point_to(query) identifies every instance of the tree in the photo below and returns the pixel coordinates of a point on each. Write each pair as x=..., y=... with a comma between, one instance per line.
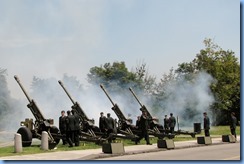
x=145, y=82
x=113, y=76
x=225, y=68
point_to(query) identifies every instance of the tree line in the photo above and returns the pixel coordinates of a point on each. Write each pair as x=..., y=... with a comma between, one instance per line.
x=221, y=65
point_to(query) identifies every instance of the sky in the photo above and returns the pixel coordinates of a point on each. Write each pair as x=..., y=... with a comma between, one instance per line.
x=47, y=38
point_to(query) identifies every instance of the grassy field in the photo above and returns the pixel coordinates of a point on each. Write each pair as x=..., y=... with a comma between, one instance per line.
x=217, y=131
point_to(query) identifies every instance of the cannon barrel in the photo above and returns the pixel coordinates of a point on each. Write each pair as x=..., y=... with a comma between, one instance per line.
x=107, y=94
x=143, y=107
x=60, y=82
x=133, y=93
x=41, y=124
x=23, y=89
x=76, y=106
x=115, y=107
x=32, y=104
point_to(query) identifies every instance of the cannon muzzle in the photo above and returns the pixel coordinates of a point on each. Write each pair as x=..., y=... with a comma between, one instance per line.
x=22, y=88
x=16, y=78
x=107, y=94
x=133, y=93
x=60, y=82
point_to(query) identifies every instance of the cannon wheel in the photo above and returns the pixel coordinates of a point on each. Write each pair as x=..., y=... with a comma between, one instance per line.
x=26, y=136
x=54, y=130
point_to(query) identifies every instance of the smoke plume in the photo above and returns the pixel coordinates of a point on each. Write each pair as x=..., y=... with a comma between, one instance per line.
x=187, y=100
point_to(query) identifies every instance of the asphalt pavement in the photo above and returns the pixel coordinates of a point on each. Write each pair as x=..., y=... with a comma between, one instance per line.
x=92, y=154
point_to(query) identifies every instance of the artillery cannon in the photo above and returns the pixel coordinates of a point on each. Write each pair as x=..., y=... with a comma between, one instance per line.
x=88, y=131
x=30, y=129
x=156, y=126
x=125, y=126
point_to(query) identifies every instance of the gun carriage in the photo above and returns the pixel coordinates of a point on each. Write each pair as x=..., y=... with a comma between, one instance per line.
x=125, y=126
x=155, y=128
x=88, y=130
x=158, y=128
x=33, y=129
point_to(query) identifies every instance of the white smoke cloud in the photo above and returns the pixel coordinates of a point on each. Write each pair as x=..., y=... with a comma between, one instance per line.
x=46, y=38
x=183, y=96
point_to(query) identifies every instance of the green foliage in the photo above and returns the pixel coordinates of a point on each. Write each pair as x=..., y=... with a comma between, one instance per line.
x=225, y=69
x=117, y=77
x=145, y=81
x=113, y=76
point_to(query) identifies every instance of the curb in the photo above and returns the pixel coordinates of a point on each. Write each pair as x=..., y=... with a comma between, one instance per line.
x=99, y=156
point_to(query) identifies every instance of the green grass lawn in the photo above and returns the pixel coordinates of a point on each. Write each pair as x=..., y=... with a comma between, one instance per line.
x=215, y=131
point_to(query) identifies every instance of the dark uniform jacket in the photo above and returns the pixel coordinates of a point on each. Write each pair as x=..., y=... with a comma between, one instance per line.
x=166, y=123
x=102, y=122
x=144, y=123
x=110, y=123
x=172, y=122
x=62, y=123
x=77, y=122
x=138, y=123
x=233, y=122
x=206, y=123
x=70, y=123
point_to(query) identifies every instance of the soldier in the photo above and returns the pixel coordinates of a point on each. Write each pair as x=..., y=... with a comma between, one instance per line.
x=144, y=126
x=70, y=125
x=109, y=126
x=233, y=122
x=166, y=122
x=77, y=128
x=206, y=124
x=138, y=122
x=172, y=123
x=62, y=126
x=102, y=122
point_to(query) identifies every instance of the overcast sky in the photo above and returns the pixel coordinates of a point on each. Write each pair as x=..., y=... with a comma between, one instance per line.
x=48, y=38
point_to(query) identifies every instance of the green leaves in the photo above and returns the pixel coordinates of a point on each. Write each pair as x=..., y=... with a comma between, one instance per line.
x=225, y=68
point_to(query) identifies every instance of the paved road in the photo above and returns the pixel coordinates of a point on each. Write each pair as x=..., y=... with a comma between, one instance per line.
x=183, y=150
x=230, y=151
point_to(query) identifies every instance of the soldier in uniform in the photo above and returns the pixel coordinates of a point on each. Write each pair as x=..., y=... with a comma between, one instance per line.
x=233, y=122
x=138, y=122
x=206, y=124
x=62, y=126
x=77, y=128
x=172, y=123
x=102, y=122
x=166, y=122
x=109, y=126
x=144, y=126
x=70, y=125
